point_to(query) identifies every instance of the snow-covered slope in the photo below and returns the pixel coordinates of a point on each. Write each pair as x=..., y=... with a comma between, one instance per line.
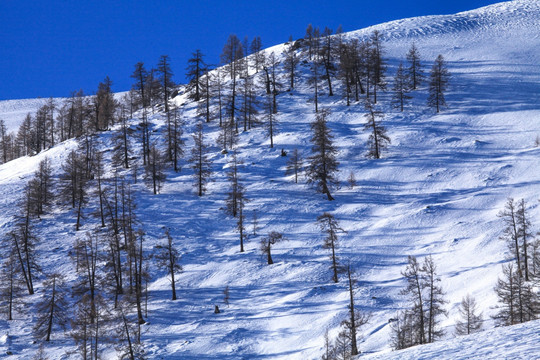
x=515, y=342
x=437, y=191
x=13, y=112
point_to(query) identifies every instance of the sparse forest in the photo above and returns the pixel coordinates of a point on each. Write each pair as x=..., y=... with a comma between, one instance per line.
x=170, y=193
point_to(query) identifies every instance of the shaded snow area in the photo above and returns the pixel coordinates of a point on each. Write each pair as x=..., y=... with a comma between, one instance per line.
x=437, y=190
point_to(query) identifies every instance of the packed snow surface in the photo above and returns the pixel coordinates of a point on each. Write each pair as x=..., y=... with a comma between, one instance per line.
x=436, y=191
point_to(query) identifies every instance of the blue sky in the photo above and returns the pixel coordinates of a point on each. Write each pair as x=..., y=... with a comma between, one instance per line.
x=50, y=48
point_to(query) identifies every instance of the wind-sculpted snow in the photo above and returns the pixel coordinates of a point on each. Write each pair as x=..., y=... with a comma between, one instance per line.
x=498, y=18
x=437, y=190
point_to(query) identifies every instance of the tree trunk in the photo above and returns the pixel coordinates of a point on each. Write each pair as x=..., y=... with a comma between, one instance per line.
x=128, y=338
x=171, y=269
x=269, y=256
x=334, y=262
x=51, y=313
x=354, y=347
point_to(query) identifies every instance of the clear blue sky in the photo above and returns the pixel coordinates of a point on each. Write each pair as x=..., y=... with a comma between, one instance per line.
x=50, y=48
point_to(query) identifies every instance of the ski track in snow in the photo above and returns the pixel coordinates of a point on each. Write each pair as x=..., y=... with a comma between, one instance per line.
x=437, y=191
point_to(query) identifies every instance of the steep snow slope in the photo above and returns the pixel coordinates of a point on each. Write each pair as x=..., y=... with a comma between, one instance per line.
x=437, y=191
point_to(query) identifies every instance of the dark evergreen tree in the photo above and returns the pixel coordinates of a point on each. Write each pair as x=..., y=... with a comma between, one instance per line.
x=74, y=183
x=342, y=346
x=294, y=165
x=271, y=68
x=153, y=91
x=232, y=57
x=168, y=258
x=204, y=108
x=40, y=188
x=137, y=271
x=469, y=322
x=87, y=254
x=175, y=141
x=51, y=107
x=308, y=41
x=155, y=175
x=313, y=80
x=200, y=162
x=195, y=70
x=377, y=64
x=291, y=62
x=378, y=140
x=361, y=67
x=257, y=56
x=23, y=242
x=104, y=105
x=413, y=320
x=3, y=141
x=329, y=350
x=327, y=57
x=323, y=163
x=403, y=330
x=216, y=91
x=401, y=89
x=348, y=60
x=435, y=300
x=249, y=102
x=525, y=234
x=23, y=136
x=167, y=84
x=438, y=83
x=236, y=189
x=228, y=137
x=414, y=71
x=100, y=189
x=128, y=339
x=140, y=75
x=11, y=286
x=420, y=323
x=518, y=301
x=330, y=226
x=271, y=120
x=52, y=309
x=122, y=149
x=511, y=233
x=91, y=327
x=356, y=318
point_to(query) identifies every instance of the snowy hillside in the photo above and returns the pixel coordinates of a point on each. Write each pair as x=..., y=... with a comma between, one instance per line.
x=515, y=342
x=437, y=190
x=13, y=112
